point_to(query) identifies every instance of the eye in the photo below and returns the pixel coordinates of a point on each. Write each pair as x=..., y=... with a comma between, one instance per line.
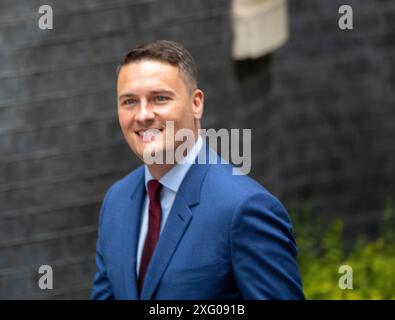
x=130, y=102
x=161, y=98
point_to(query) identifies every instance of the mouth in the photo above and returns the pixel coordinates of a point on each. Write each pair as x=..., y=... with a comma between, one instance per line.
x=148, y=135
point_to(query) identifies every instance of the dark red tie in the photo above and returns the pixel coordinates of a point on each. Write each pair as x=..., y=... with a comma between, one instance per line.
x=154, y=219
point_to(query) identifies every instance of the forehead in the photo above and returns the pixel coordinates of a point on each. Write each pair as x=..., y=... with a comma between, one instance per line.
x=148, y=74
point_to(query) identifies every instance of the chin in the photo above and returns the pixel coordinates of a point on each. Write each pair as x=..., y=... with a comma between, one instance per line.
x=159, y=149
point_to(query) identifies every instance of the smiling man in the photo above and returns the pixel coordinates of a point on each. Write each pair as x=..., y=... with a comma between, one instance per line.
x=151, y=93
x=182, y=229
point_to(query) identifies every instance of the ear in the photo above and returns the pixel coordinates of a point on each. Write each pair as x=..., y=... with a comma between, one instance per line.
x=198, y=103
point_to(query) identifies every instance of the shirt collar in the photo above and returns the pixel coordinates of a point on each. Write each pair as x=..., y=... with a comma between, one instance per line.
x=174, y=177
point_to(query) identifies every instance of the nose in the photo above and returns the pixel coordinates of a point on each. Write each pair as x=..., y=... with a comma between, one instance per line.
x=144, y=113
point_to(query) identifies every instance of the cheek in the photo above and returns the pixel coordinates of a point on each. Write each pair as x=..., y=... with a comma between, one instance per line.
x=186, y=119
x=124, y=118
x=180, y=113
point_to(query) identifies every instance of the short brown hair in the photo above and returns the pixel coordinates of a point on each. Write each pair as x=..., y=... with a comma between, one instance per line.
x=168, y=51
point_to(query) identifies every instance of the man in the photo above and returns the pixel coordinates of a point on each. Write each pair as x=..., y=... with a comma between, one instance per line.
x=181, y=229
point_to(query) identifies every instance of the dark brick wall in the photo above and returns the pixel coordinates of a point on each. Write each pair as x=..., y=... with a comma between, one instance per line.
x=323, y=112
x=321, y=109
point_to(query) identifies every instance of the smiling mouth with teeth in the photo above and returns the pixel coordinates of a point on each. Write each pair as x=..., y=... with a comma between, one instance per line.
x=149, y=134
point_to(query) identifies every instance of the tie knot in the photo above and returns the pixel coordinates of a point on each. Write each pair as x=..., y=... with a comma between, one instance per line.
x=154, y=188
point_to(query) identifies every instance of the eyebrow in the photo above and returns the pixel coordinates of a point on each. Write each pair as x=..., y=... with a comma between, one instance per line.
x=169, y=92
x=160, y=91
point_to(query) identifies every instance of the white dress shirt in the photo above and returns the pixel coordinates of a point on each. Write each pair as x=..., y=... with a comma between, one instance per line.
x=171, y=182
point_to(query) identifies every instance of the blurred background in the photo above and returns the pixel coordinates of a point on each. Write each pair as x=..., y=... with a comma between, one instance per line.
x=320, y=102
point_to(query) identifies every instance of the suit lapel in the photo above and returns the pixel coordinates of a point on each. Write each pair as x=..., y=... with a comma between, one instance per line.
x=179, y=218
x=131, y=234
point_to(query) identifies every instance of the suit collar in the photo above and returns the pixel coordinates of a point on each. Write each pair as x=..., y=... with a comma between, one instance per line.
x=190, y=188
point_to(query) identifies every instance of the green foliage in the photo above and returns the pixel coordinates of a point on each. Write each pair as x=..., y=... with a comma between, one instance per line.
x=321, y=254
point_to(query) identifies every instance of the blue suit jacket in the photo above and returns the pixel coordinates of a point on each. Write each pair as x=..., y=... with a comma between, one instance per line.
x=226, y=237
